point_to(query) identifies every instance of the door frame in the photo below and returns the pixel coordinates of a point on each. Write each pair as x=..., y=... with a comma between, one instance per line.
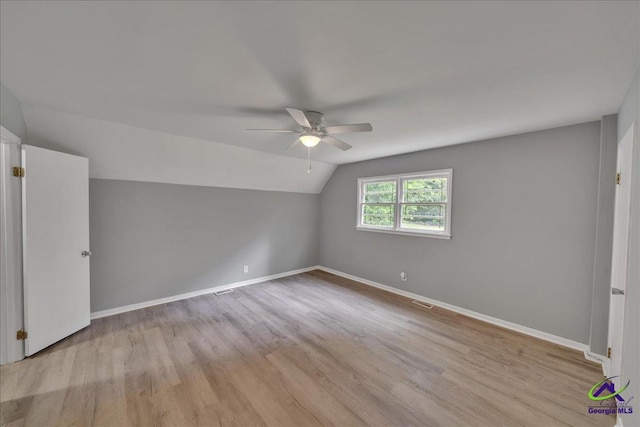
x=11, y=301
x=620, y=249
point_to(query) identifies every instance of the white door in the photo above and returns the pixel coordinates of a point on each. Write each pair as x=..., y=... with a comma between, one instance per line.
x=55, y=212
x=620, y=258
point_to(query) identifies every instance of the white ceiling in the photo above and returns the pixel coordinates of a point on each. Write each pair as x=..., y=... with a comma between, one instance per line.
x=425, y=74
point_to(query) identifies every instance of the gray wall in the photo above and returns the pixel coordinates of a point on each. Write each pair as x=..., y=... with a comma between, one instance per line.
x=630, y=113
x=604, y=235
x=11, y=114
x=154, y=240
x=524, y=220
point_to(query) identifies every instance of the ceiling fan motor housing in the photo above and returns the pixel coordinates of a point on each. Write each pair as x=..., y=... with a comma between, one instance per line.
x=315, y=118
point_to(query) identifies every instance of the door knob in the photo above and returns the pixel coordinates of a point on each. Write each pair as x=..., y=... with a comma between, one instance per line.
x=86, y=253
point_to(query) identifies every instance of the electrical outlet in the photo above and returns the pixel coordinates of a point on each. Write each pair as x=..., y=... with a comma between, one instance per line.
x=403, y=276
x=245, y=269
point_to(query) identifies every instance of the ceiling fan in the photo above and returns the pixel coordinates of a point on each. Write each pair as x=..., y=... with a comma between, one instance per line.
x=313, y=130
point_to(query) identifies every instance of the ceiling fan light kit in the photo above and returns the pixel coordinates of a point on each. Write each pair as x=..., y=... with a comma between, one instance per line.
x=309, y=139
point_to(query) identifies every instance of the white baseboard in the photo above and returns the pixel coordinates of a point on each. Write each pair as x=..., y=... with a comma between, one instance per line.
x=495, y=321
x=137, y=306
x=600, y=359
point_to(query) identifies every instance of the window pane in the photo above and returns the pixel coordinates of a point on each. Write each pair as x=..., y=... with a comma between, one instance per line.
x=387, y=210
x=425, y=196
x=436, y=211
x=377, y=187
x=378, y=220
x=423, y=184
x=380, y=197
x=380, y=192
x=423, y=217
x=379, y=215
x=425, y=190
x=423, y=223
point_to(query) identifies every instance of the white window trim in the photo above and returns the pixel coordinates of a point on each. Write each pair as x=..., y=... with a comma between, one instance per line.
x=446, y=234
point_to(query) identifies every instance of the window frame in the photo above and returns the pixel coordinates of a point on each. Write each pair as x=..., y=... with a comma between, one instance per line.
x=399, y=202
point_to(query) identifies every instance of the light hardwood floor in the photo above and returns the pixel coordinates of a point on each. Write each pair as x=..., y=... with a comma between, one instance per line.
x=312, y=349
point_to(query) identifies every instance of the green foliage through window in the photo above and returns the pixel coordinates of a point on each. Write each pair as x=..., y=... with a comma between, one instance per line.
x=380, y=192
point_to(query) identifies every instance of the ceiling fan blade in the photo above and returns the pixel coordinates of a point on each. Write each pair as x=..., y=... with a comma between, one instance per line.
x=336, y=142
x=294, y=144
x=359, y=127
x=299, y=117
x=275, y=130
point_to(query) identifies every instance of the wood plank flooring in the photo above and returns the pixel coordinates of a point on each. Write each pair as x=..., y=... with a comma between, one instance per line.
x=312, y=349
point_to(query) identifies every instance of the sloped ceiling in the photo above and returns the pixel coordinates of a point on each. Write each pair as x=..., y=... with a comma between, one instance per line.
x=117, y=151
x=425, y=74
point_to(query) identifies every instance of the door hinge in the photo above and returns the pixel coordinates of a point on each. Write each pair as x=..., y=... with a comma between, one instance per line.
x=18, y=172
x=618, y=178
x=609, y=352
x=21, y=334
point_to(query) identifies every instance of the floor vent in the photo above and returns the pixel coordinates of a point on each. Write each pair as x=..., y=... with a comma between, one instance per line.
x=226, y=291
x=423, y=304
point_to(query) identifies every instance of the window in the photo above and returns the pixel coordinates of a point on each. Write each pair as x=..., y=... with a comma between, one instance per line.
x=416, y=203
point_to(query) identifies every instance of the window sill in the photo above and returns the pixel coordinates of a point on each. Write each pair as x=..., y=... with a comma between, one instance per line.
x=406, y=233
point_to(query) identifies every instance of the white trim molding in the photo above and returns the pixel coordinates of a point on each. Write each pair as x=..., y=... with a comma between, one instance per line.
x=406, y=233
x=144, y=304
x=11, y=307
x=7, y=137
x=399, y=180
x=485, y=318
x=599, y=359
